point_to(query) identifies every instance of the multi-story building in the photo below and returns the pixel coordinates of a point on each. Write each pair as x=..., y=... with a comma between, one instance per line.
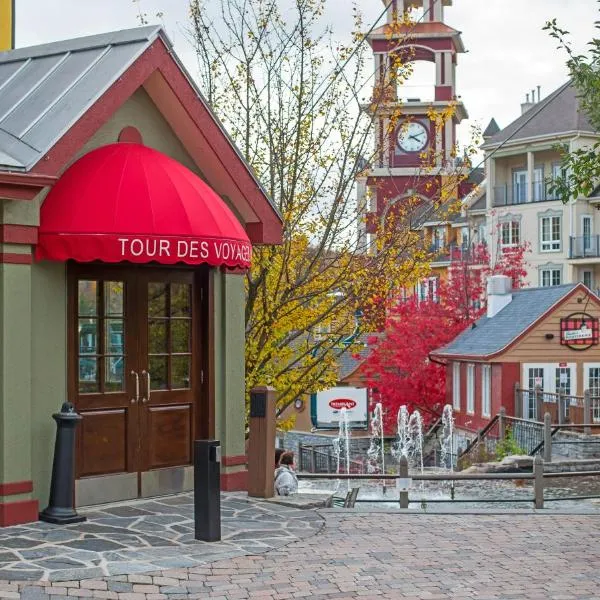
x=522, y=160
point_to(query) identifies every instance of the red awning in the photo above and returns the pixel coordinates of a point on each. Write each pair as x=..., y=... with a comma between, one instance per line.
x=128, y=202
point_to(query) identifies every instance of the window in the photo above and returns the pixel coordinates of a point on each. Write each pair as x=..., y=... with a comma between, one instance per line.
x=471, y=389
x=550, y=276
x=588, y=279
x=538, y=184
x=535, y=379
x=520, y=187
x=586, y=228
x=486, y=391
x=510, y=233
x=593, y=385
x=481, y=233
x=456, y=386
x=550, y=234
x=464, y=237
x=440, y=238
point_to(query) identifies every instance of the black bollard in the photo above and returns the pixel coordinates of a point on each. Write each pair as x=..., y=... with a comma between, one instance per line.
x=207, y=490
x=60, y=509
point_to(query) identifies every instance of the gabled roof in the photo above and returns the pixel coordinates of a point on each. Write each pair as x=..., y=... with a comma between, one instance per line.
x=480, y=204
x=55, y=97
x=45, y=89
x=490, y=336
x=557, y=114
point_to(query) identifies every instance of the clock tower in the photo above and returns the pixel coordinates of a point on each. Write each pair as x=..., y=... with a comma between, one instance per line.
x=415, y=138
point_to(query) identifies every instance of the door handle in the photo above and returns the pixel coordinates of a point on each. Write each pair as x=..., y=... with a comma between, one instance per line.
x=137, y=387
x=147, y=374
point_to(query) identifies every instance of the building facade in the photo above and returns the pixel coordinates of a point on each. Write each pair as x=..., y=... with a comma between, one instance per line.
x=127, y=219
x=522, y=160
x=545, y=337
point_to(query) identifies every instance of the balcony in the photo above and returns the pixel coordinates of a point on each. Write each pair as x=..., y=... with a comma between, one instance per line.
x=509, y=195
x=455, y=253
x=584, y=246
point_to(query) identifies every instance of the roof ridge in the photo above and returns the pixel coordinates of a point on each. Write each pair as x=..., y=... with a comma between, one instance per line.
x=87, y=42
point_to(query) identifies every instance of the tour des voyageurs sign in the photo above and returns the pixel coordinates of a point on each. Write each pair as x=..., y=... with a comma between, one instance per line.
x=326, y=407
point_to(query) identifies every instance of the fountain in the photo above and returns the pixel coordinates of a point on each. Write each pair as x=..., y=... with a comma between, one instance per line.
x=447, y=439
x=376, y=450
x=341, y=446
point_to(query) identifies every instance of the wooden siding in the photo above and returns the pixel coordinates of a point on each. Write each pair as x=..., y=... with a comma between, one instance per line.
x=535, y=348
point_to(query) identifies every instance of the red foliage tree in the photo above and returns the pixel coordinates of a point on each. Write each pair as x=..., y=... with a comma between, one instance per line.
x=398, y=367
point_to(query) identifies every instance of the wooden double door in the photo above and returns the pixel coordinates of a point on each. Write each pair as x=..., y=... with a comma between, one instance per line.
x=135, y=377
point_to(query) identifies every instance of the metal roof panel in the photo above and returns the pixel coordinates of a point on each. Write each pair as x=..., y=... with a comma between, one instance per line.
x=45, y=89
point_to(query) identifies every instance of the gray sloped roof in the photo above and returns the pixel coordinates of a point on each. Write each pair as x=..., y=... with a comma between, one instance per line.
x=45, y=89
x=480, y=204
x=490, y=336
x=556, y=114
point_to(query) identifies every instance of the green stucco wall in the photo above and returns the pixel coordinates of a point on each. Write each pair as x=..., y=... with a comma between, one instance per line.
x=229, y=336
x=15, y=373
x=48, y=367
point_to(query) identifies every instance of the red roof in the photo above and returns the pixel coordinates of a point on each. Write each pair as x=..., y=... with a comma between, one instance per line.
x=416, y=29
x=129, y=202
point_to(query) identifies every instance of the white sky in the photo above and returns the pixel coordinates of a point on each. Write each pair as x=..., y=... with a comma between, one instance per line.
x=508, y=53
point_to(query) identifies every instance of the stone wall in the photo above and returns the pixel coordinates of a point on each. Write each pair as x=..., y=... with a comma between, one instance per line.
x=571, y=444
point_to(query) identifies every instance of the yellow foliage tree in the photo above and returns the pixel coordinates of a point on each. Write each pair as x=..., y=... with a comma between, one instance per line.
x=300, y=106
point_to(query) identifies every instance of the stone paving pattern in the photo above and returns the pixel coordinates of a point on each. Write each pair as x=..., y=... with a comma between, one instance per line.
x=381, y=556
x=146, y=536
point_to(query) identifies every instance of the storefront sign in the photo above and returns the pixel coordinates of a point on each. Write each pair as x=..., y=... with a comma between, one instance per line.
x=151, y=248
x=579, y=331
x=327, y=407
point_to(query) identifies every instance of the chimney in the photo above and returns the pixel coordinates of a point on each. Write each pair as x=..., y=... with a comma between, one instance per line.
x=499, y=294
x=525, y=106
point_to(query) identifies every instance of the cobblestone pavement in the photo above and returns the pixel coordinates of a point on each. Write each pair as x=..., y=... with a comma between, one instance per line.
x=384, y=556
x=144, y=536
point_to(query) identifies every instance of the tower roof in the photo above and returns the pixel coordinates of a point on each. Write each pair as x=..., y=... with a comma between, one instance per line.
x=491, y=129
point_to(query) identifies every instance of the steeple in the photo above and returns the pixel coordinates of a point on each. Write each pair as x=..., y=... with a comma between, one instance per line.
x=433, y=9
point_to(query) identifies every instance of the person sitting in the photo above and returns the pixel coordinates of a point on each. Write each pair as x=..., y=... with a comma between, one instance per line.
x=278, y=453
x=286, y=481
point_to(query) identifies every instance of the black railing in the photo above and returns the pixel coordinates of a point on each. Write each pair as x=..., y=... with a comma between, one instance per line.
x=323, y=459
x=518, y=193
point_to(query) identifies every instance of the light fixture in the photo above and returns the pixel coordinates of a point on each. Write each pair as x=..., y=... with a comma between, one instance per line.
x=549, y=336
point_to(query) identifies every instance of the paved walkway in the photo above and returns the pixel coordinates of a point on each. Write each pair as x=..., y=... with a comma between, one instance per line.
x=144, y=536
x=384, y=556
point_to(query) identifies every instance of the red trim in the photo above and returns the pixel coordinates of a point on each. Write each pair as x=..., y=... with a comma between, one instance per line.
x=18, y=234
x=130, y=135
x=467, y=357
x=213, y=151
x=16, y=487
x=17, y=513
x=234, y=461
x=23, y=186
x=234, y=482
x=12, y=258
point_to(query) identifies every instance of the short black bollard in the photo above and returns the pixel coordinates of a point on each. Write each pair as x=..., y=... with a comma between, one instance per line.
x=60, y=509
x=207, y=490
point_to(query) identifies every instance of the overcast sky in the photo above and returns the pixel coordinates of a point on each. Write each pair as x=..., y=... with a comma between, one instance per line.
x=508, y=53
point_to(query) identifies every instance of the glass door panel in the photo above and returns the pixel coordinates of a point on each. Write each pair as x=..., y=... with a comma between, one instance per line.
x=102, y=362
x=166, y=350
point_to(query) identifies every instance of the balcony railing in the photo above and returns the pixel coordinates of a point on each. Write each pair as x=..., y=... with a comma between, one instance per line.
x=454, y=252
x=584, y=246
x=509, y=195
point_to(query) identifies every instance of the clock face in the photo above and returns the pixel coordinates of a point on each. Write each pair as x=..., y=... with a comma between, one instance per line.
x=413, y=137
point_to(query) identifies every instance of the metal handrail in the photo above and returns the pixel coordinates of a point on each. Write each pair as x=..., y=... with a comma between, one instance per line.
x=475, y=441
x=419, y=477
